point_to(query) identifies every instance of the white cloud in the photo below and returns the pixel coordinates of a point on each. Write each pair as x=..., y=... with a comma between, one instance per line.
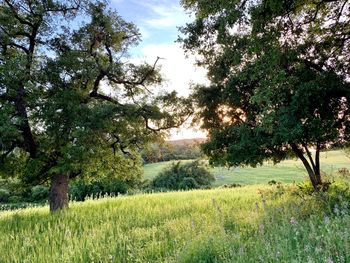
x=145, y=34
x=167, y=16
x=179, y=72
x=163, y=14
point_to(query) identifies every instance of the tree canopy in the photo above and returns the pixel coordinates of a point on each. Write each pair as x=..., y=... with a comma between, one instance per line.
x=279, y=78
x=68, y=91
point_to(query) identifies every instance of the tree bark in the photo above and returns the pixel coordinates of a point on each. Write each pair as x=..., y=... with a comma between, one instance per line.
x=317, y=161
x=312, y=170
x=58, y=197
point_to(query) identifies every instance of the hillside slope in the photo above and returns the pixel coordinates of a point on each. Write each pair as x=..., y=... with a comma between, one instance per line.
x=249, y=224
x=288, y=171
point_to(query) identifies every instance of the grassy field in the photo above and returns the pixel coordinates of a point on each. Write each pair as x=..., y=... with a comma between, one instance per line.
x=254, y=223
x=248, y=224
x=285, y=172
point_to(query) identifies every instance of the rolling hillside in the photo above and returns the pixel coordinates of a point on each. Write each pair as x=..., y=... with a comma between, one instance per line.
x=286, y=172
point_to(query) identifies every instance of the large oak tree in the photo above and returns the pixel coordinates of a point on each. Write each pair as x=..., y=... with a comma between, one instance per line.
x=68, y=92
x=279, y=78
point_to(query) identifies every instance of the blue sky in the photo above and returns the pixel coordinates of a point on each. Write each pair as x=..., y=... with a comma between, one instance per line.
x=158, y=22
x=157, y=19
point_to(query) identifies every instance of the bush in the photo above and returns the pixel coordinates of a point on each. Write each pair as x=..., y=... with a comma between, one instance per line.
x=15, y=199
x=81, y=189
x=183, y=177
x=39, y=193
x=4, y=195
x=233, y=185
x=343, y=172
x=160, y=152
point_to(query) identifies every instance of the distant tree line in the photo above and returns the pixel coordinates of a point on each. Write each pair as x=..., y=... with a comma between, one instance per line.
x=161, y=152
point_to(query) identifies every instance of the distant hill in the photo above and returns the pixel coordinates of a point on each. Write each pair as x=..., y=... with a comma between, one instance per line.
x=186, y=141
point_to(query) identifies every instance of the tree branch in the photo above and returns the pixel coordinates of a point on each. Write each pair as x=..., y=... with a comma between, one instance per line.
x=16, y=15
x=309, y=156
x=301, y=156
x=141, y=81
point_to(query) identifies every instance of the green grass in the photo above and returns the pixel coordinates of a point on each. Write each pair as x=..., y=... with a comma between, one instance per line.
x=286, y=172
x=248, y=224
x=255, y=223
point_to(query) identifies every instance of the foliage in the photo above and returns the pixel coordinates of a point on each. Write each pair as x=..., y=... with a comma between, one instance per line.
x=179, y=176
x=4, y=195
x=15, y=199
x=279, y=76
x=162, y=152
x=107, y=174
x=233, y=185
x=81, y=189
x=39, y=193
x=226, y=225
x=18, y=206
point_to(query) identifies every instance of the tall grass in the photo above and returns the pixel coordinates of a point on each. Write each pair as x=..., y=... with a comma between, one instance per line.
x=249, y=224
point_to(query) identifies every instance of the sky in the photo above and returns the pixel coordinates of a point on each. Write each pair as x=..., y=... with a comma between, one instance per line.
x=158, y=22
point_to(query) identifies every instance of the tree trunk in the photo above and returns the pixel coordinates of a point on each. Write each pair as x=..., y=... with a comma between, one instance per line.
x=58, y=197
x=317, y=168
x=313, y=170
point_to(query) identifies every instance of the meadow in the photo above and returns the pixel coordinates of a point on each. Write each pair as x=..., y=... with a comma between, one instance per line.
x=249, y=224
x=253, y=223
x=288, y=171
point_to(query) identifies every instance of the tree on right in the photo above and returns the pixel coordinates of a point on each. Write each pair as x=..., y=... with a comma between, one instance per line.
x=279, y=79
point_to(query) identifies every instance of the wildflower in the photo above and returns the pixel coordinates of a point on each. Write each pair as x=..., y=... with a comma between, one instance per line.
x=261, y=229
x=336, y=210
x=329, y=260
x=193, y=224
x=326, y=220
x=293, y=221
x=318, y=250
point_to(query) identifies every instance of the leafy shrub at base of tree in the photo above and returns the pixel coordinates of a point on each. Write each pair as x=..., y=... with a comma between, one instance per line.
x=39, y=193
x=4, y=195
x=183, y=177
x=81, y=189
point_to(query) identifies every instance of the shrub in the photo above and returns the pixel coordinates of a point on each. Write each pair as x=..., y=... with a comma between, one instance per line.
x=233, y=185
x=14, y=199
x=183, y=177
x=39, y=193
x=272, y=182
x=4, y=195
x=343, y=171
x=80, y=189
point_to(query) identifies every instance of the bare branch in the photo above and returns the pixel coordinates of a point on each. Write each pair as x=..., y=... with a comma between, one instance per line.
x=139, y=82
